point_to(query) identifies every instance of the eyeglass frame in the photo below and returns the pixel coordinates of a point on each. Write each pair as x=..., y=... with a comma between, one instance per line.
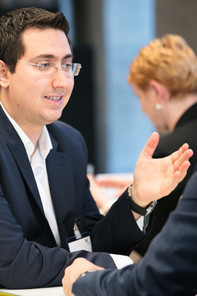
x=62, y=66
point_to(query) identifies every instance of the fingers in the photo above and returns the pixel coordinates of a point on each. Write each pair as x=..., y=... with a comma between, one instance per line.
x=177, y=176
x=180, y=156
x=151, y=145
x=183, y=170
x=177, y=154
x=182, y=164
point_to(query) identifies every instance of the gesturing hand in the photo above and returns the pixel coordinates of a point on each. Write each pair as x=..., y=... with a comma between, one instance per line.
x=155, y=178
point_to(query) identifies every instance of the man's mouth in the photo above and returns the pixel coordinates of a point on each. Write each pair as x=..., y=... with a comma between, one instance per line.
x=53, y=98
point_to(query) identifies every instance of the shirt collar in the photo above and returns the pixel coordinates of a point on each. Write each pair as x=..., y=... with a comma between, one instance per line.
x=44, y=142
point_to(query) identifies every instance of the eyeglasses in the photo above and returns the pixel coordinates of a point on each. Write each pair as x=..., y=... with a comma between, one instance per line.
x=47, y=68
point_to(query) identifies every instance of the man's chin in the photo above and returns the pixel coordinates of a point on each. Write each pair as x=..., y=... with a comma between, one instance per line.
x=51, y=119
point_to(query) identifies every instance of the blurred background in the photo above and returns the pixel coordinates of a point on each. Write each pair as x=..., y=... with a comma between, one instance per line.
x=106, y=36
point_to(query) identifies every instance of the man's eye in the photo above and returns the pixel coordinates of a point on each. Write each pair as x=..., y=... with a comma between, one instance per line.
x=67, y=66
x=44, y=65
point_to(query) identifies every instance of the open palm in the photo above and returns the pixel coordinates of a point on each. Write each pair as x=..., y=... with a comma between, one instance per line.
x=155, y=178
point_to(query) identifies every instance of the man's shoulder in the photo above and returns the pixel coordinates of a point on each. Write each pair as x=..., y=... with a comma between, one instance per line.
x=60, y=127
x=65, y=135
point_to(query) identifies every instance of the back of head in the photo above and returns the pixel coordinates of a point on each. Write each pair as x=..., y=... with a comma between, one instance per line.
x=15, y=22
x=168, y=60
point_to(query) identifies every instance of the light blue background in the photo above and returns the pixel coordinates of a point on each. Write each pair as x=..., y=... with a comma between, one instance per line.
x=128, y=24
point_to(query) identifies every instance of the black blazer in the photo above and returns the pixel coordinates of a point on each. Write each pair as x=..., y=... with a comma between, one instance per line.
x=29, y=256
x=185, y=131
x=169, y=267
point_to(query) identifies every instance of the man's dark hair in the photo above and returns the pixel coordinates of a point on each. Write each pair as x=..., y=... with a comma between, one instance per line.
x=15, y=22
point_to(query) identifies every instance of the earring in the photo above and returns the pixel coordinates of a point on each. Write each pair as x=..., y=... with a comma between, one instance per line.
x=158, y=106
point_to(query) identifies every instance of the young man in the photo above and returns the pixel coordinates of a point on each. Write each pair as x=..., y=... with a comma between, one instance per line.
x=47, y=214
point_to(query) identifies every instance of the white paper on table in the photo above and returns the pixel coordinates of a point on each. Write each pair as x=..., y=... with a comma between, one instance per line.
x=53, y=291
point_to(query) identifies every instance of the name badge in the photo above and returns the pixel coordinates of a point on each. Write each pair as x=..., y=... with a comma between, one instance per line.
x=81, y=244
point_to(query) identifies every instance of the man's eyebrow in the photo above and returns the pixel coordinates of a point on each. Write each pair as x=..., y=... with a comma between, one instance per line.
x=50, y=56
x=68, y=56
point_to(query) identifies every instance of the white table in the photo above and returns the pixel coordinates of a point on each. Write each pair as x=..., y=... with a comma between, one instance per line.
x=54, y=291
x=111, y=192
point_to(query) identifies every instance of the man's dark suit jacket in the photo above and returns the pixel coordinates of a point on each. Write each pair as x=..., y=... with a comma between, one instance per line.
x=29, y=256
x=185, y=131
x=169, y=267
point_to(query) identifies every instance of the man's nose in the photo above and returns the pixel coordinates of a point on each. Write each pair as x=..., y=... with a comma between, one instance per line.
x=60, y=79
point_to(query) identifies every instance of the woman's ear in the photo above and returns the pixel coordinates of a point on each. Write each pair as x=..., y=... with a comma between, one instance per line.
x=161, y=91
x=4, y=80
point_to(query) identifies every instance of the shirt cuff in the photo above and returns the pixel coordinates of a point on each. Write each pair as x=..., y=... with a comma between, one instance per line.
x=121, y=260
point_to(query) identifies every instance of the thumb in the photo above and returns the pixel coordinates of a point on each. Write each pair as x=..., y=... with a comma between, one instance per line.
x=151, y=145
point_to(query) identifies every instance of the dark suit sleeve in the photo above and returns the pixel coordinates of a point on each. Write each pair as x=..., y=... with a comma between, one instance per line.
x=27, y=264
x=169, y=266
x=119, y=229
x=169, y=143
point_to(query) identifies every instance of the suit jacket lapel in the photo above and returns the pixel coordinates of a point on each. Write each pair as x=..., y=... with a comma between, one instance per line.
x=21, y=158
x=18, y=151
x=62, y=189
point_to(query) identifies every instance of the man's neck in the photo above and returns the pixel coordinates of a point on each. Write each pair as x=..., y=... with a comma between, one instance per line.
x=32, y=132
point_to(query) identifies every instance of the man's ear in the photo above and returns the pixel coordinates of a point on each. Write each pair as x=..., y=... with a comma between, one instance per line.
x=4, y=80
x=161, y=91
